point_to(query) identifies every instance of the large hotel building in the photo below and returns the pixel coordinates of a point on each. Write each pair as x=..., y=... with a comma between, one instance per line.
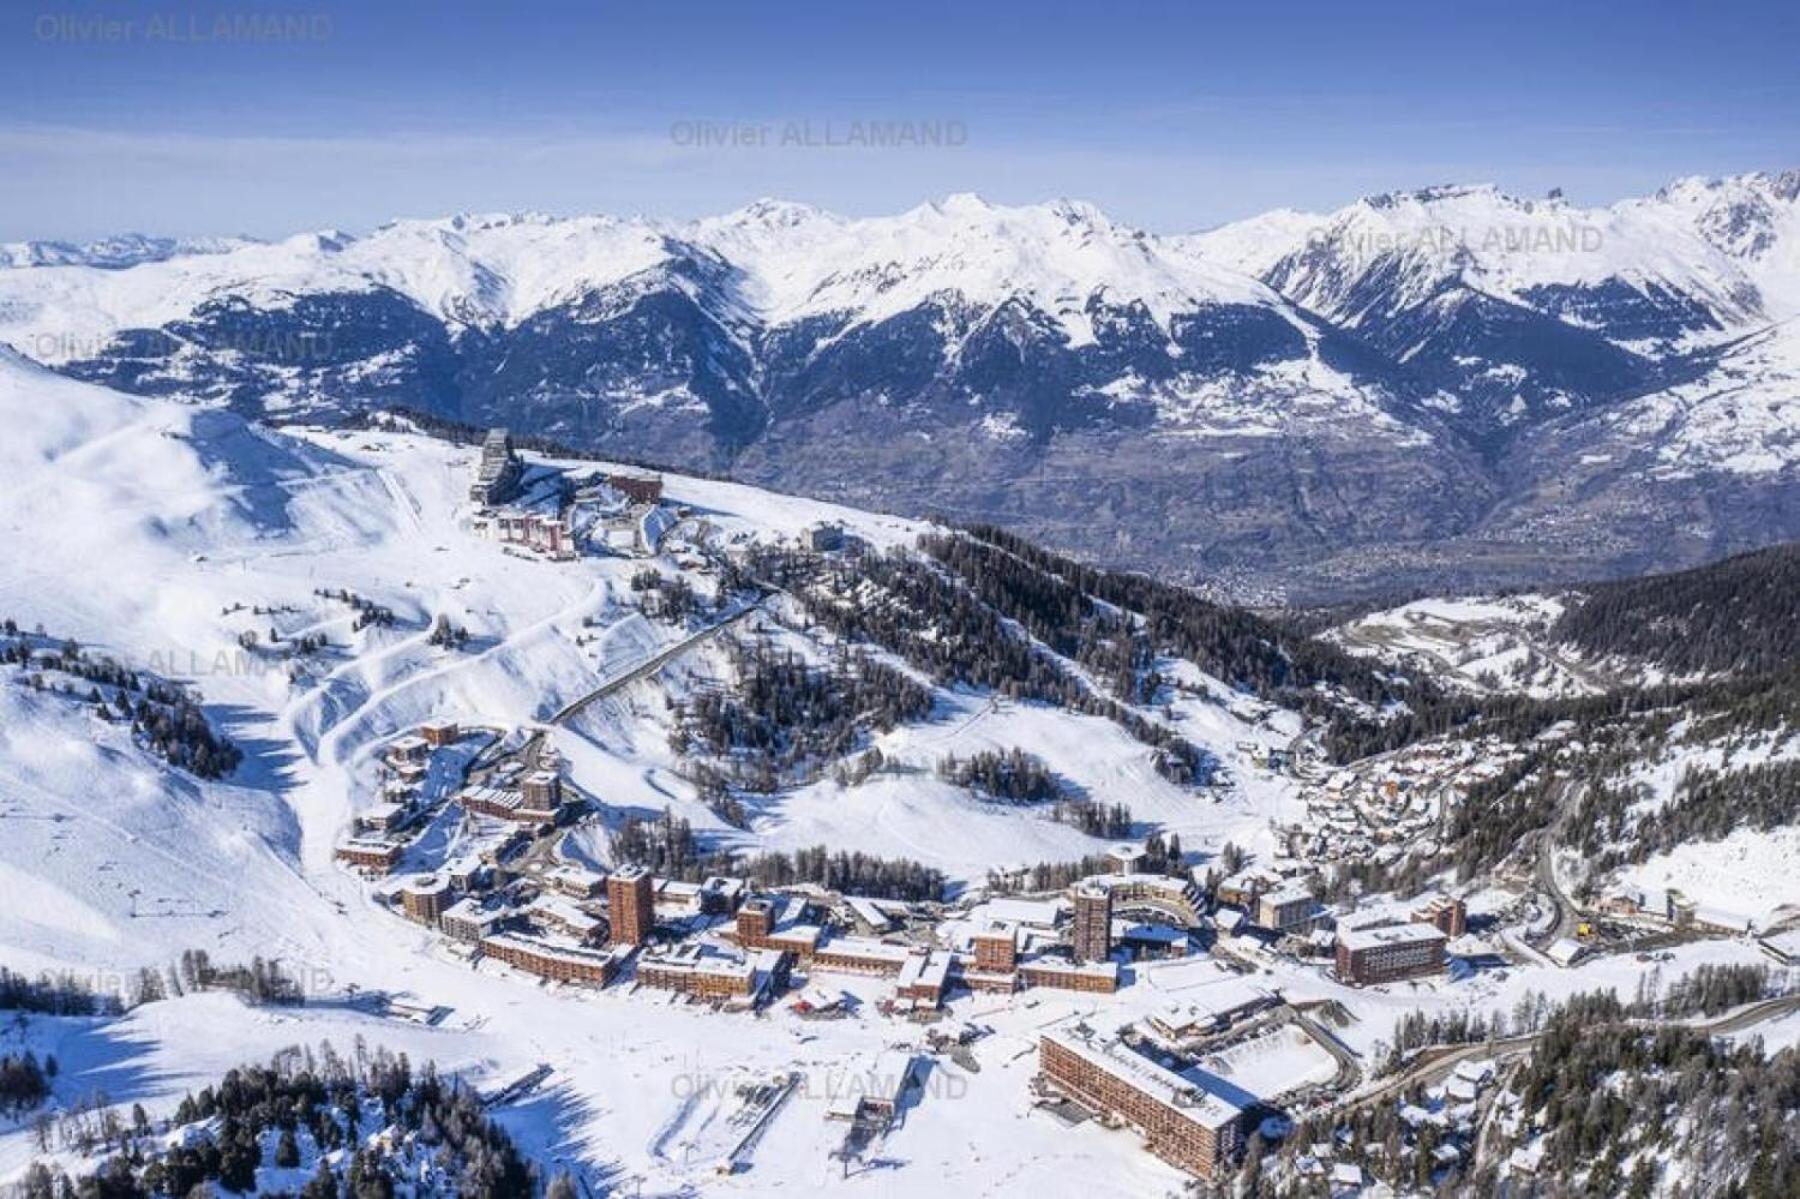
x=1181, y=1122
x=1390, y=952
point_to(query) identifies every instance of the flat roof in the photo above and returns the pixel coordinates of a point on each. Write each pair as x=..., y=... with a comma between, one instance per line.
x=470, y=907
x=926, y=969
x=551, y=949
x=1410, y=933
x=1059, y=966
x=1177, y=1092
x=1044, y=912
x=1212, y=1001
x=866, y=947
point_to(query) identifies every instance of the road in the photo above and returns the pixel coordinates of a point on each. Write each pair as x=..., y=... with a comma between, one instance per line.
x=529, y=749
x=544, y=853
x=1436, y=1064
x=651, y=665
x=1568, y=916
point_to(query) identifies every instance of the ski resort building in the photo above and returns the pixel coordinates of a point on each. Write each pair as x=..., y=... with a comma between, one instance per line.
x=426, y=897
x=1098, y=977
x=640, y=488
x=923, y=978
x=996, y=948
x=631, y=904
x=1446, y=913
x=875, y=1097
x=537, y=801
x=1209, y=1009
x=1288, y=909
x=1182, y=1123
x=860, y=955
x=370, y=853
x=692, y=969
x=440, y=733
x=1388, y=953
x=1177, y=899
x=764, y=923
x=546, y=959
x=575, y=882
x=551, y=536
x=382, y=818
x=468, y=920
x=1091, y=937
x=498, y=472
x=562, y=915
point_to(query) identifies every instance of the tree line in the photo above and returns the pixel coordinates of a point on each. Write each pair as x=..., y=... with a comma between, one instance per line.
x=163, y=716
x=922, y=612
x=321, y=1107
x=784, y=717
x=667, y=847
x=1013, y=776
x=1741, y=614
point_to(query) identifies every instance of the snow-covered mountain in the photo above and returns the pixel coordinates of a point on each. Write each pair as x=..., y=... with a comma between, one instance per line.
x=1517, y=310
x=129, y=249
x=1257, y=400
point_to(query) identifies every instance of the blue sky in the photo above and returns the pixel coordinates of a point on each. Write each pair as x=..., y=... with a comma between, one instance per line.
x=1170, y=115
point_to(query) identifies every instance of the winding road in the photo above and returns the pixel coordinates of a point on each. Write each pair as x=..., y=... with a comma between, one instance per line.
x=1437, y=1063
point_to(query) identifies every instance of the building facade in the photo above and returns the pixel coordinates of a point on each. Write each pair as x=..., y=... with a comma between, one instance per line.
x=631, y=901
x=498, y=472
x=1389, y=953
x=560, y=963
x=1446, y=913
x=1182, y=1123
x=1091, y=936
x=425, y=898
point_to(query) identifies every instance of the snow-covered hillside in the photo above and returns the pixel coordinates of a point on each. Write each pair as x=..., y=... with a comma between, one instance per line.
x=161, y=534
x=250, y=563
x=1487, y=645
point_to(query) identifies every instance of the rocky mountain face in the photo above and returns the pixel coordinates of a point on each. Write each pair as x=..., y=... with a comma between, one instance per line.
x=1445, y=387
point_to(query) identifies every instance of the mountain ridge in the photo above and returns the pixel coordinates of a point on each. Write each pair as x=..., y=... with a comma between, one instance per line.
x=1419, y=378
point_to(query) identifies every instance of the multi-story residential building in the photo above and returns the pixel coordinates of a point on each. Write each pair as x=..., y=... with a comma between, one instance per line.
x=424, y=898
x=1091, y=935
x=996, y=948
x=631, y=902
x=1387, y=953
x=370, y=853
x=1099, y=977
x=561, y=963
x=468, y=920
x=1446, y=913
x=1183, y=1123
x=1288, y=909
x=498, y=472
